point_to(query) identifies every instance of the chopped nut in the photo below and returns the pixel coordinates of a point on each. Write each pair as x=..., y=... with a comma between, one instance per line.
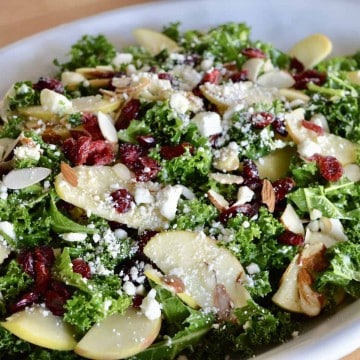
x=268, y=195
x=218, y=200
x=69, y=174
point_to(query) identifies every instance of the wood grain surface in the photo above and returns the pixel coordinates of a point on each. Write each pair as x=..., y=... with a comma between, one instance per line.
x=21, y=18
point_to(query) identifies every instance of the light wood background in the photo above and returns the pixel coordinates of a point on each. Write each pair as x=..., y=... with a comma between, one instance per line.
x=21, y=18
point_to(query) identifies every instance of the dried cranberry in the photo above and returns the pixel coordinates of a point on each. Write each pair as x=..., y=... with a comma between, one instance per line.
x=146, y=141
x=101, y=153
x=91, y=125
x=26, y=260
x=261, y=119
x=165, y=76
x=302, y=79
x=130, y=153
x=169, y=152
x=42, y=277
x=296, y=65
x=250, y=170
x=49, y=83
x=144, y=238
x=213, y=76
x=253, y=53
x=290, y=238
x=45, y=254
x=248, y=210
x=122, y=200
x=137, y=301
x=55, y=302
x=130, y=111
x=279, y=126
x=81, y=267
x=146, y=169
x=239, y=76
x=282, y=187
x=330, y=168
x=25, y=300
x=313, y=127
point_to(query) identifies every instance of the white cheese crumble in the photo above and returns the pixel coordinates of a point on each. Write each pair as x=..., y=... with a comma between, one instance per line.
x=73, y=236
x=122, y=58
x=150, y=307
x=208, y=123
x=253, y=268
x=29, y=150
x=167, y=200
x=179, y=102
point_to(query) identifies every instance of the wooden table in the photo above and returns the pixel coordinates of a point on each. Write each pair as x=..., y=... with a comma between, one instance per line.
x=21, y=18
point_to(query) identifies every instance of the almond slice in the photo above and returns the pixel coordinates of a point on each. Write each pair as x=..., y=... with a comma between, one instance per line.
x=21, y=178
x=227, y=178
x=217, y=200
x=311, y=50
x=107, y=127
x=268, y=195
x=69, y=174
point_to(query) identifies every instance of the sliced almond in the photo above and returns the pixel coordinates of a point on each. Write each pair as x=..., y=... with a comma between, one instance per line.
x=69, y=174
x=253, y=68
x=276, y=79
x=154, y=41
x=268, y=195
x=107, y=127
x=131, y=86
x=227, y=178
x=217, y=200
x=311, y=50
x=21, y=178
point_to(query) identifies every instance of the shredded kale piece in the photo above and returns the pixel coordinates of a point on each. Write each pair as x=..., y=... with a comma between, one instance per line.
x=12, y=128
x=24, y=95
x=89, y=51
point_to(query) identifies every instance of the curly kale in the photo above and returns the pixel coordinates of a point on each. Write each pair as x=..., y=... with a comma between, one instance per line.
x=23, y=95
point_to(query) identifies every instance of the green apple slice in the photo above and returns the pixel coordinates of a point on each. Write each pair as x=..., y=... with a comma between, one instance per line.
x=92, y=193
x=154, y=41
x=200, y=264
x=119, y=336
x=39, y=326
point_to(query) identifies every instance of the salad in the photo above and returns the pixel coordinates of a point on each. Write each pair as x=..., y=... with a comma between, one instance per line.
x=192, y=196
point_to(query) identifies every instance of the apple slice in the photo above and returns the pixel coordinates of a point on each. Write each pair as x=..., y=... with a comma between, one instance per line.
x=39, y=326
x=311, y=50
x=92, y=193
x=291, y=220
x=309, y=142
x=200, y=264
x=275, y=165
x=119, y=336
x=154, y=41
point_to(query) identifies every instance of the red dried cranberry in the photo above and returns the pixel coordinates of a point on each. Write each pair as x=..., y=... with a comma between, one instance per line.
x=49, y=83
x=313, y=127
x=250, y=174
x=26, y=260
x=302, y=79
x=130, y=153
x=283, y=187
x=253, y=53
x=296, y=65
x=279, y=126
x=213, y=76
x=261, y=119
x=42, y=277
x=137, y=301
x=146, y=141
x=130, y=111
x=165, y=76
x=239, y=76
x=45, y=254
x=330, y=168
x=101, y=153
x=122, y=200
x=290, y=238
x=248, y=210
x=55, y=302
x=169, y=152
x=91, y=125
x=81, y=267
x=144, y=238
x=25, y=300
x=146, y=169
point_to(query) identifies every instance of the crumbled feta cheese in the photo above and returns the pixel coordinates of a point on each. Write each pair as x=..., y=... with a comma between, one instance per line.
x=179, y=102
x=253, y=268
x=55, y=102
x=29, y=150
x=208, y=123
x=129, y=288
x=73, y=237
x=167, y=200
x=8, y=229
x=142, y=195
x=150, y=307
x=122, y=58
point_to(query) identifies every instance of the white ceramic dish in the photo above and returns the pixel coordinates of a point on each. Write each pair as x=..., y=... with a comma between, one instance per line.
x=281, y=22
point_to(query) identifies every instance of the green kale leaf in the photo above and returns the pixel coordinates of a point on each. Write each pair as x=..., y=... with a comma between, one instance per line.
x=23, y=95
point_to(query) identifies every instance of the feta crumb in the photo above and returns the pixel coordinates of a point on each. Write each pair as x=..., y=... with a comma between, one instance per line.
x=122, y=58
x=253, y=268
x=150, y=307
x=143, y=196
x=179, y=102
x=129, y=288
x=73, y=237
x=208, y=123
x=167, y=200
